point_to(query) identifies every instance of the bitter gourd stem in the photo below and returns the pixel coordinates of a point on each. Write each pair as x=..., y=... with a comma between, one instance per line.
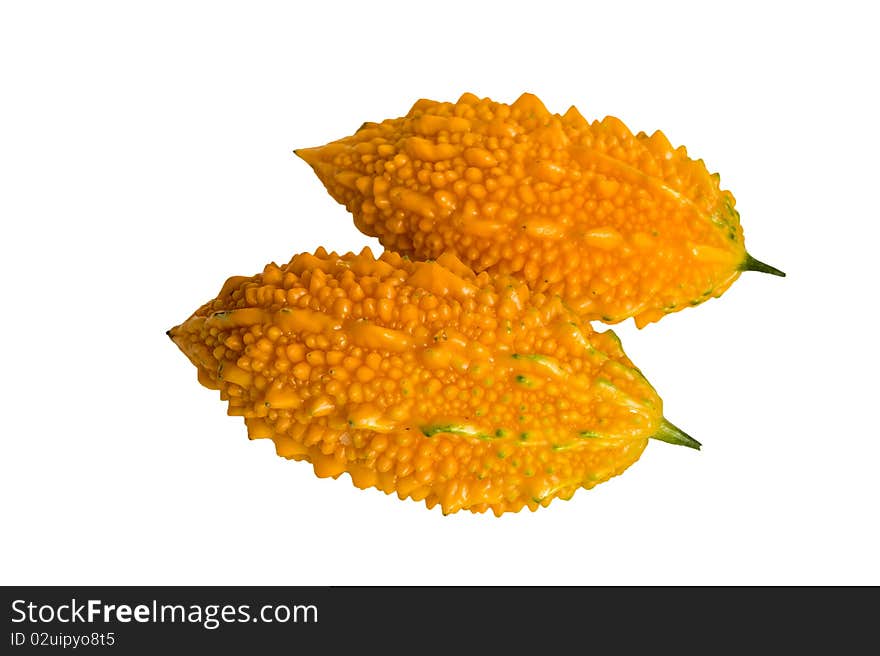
x=671, y=433
x=751, y=264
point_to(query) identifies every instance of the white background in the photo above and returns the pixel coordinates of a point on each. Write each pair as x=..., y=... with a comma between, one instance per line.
x=145, y=156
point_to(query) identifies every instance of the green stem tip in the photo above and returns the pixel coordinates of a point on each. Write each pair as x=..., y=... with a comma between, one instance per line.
x=671, y=433
x=751, y=264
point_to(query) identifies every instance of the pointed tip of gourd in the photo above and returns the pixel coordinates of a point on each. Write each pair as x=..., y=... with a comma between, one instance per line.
x=751, y=264
x=308, y=155
x=672, y=434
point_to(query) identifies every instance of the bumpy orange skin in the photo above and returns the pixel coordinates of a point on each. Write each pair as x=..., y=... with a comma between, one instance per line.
x=423, y=379
x=619, y=225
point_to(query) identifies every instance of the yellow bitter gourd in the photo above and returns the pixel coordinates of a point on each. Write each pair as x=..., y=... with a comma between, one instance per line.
x=424, y=379
x=619, y=225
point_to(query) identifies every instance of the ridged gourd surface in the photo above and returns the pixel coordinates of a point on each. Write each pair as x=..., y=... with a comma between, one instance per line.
x=424, y=379
x=619, y=225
